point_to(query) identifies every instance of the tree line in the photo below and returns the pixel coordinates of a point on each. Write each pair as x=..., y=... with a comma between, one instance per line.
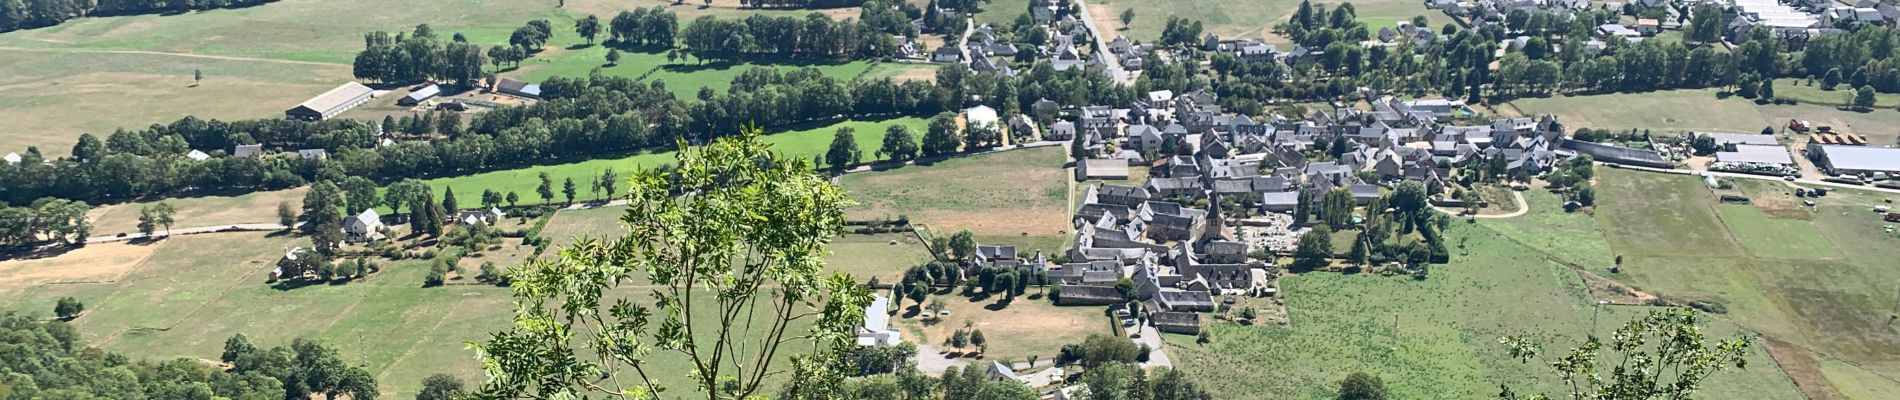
x=815, y=35
x=421, y=55
x=29, y=14
x=49, y=220
x=49, y=360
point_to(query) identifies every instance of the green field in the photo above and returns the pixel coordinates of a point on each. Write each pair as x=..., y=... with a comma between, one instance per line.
x=1231, y=19
x=1674, y=111
x=1809, y=91
x=1435, y=338
x=100, y=74
x=1824, y=285
x=802, y=144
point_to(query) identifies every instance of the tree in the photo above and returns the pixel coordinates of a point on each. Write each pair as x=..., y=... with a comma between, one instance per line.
x=960, y=339
x=440, y=387
x=546, y=189
x=1664, y=340
x=761, y=232
x=1128, y=15
x=962, y=244
x=1362, y=386
x=844, y=151
x=942, y=137
x=513, y=198
x=609, y=182
x=68, y=308
x=568, y=190
x=449, y=203
x=1098, y=349
x=899, y=144
x=1314, y=247
x=1864, y=97
x=322, y=218
x=613, y=57
x=237, y=347
x=286, y=216
x=976, y=339
x=197, y=76
x=147, y=223
x=589, y=27
x=1361, y=252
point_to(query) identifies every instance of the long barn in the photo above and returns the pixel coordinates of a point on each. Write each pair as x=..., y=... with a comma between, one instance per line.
x=331, y=103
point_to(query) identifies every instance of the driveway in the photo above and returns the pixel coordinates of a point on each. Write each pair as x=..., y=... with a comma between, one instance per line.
x=930, y=360
x=1152, y=338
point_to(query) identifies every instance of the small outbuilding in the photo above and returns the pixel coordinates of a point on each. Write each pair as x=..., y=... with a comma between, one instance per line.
x=420, y=95
x=1105, y=169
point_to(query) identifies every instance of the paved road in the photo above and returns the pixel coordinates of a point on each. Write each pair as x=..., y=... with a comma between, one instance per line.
x=1152, y=338
x=1522, y=207
x=963, y=42
x=1101, y=46
x=930, y=360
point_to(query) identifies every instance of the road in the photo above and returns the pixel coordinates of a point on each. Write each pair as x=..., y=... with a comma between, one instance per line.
x=963, y=42
x=1152, y=338
x=188, y=231
x=1101, y=47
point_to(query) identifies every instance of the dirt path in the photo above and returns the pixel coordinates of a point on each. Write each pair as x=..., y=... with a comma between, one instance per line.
x=161, y=53
x=1516, y=196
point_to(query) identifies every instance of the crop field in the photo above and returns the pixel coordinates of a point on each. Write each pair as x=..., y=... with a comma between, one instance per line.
x=799, y=144
x=1822, y=286
x=1435, y=338
x=1013, y=197
x=1673, y=111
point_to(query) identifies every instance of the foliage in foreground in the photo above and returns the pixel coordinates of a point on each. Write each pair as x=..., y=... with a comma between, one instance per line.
x=48, y=360
x=1660, y=356
x=734, y=221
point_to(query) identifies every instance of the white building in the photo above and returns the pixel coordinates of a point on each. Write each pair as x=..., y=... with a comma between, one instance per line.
x=877, y=330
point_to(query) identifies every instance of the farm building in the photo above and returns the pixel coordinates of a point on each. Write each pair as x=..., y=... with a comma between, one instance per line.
x=876, y=330
x=1755, y=154
x=420, y=95
x=247, y=150
x=331, y=103
x=1725, y=140
x=1620, y=155
x=1110, y=169
x=363, y=227
x=519, y=88
x=1855, y=160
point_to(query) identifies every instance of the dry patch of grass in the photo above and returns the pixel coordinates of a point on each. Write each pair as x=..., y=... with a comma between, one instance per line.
x=1007, y=194
x=92, y=263
x=1015, y=331
x=260, y=207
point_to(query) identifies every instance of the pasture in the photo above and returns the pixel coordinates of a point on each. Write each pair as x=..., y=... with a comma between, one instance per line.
x=1013, y=197
x=1029, y=325
x=1435, y=338
x=1674, y=111
x=798, y=144
x=48, y=97
x=249, y=208
x=1822, y=286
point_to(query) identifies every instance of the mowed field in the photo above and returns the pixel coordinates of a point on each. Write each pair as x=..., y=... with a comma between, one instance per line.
x=251, y=208
x=1820, y=282
x=1435, y=338
x=799, y=144
x=100, y=74
x=1670, y=112
x=1012, y=197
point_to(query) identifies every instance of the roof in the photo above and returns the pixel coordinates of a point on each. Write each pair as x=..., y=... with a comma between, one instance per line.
x=981, y=115
x=194, y=154
x=424, y=93
x=1756, y=154
x=1102, y=167
x=1280, y=198
x=338, y=97
x=514, y=86
x=1862, y=158
x=369, y=217
x=1723, y=138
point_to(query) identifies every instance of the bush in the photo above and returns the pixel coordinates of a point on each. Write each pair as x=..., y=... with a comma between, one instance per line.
x=68, y=308
x=1709, y=306
x=1735, y=198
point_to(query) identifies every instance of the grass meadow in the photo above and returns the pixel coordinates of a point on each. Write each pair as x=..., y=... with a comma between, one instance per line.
x=1821, y=284
x=1435, y=338
x=802, y=144
x=1227, y=18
